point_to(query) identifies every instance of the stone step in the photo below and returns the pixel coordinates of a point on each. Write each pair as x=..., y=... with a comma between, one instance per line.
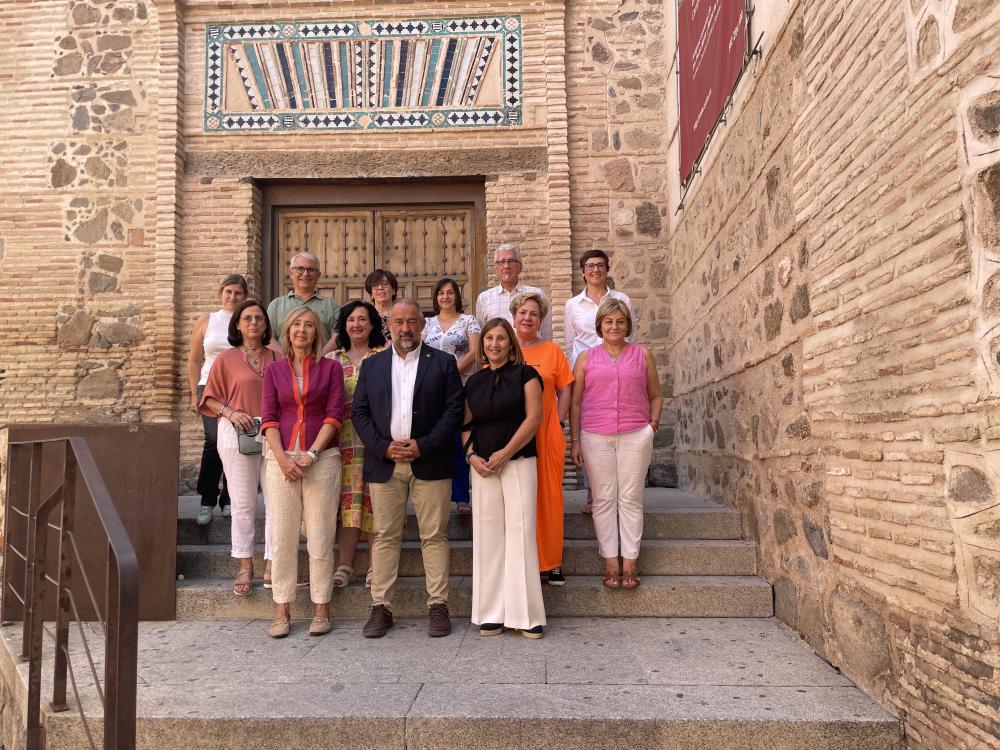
x=669, y=514
x=658, y=596
x=580, y=557
x=589, y=684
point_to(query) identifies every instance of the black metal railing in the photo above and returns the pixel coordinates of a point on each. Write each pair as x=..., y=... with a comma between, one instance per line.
x=27, y=572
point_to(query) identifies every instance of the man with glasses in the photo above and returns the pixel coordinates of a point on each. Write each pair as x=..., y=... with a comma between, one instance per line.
x=304, y=270
x=495, y=302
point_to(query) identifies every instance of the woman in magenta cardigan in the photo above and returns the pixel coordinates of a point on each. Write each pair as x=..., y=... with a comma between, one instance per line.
x=303, y=407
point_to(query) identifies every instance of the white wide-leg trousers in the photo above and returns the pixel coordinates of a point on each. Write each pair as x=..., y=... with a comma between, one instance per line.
x=506, y=588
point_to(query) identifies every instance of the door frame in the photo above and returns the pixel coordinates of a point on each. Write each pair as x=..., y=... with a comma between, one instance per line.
x=278, y=194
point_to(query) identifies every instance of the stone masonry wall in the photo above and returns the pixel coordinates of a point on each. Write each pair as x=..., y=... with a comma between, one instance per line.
x=836, y=372
x=618, y=146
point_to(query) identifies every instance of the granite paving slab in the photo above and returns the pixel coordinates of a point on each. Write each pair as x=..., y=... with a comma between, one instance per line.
x=689, y=684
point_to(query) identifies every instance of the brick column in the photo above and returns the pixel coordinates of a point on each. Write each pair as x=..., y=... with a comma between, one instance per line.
x=169, y=163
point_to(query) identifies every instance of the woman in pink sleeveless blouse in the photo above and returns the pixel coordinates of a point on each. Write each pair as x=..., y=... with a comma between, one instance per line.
x=613, y=415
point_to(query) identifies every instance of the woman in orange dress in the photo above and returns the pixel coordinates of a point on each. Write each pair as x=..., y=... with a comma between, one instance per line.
x=529, y=310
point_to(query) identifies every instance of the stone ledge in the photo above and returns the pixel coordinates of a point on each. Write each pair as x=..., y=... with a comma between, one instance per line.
x=582, y=596
x=366, y=163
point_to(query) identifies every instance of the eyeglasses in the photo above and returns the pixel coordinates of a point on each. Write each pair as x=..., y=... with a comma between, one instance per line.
x=508, y=262
x=595, y=267
x=382, y=285
x=252, y=318
x=304, y=270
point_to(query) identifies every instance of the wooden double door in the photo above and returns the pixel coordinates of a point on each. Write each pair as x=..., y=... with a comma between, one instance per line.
x=420, y=241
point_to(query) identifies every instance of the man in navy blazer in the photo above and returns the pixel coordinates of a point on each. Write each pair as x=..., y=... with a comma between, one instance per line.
x=407, y=406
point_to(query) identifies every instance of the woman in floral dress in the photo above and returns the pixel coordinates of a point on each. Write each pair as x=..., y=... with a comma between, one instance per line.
x=359, y=335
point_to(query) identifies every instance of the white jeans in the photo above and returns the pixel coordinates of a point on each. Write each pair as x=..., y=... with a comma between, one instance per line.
x=506, y=588
x=616, y=465
x=244, y=474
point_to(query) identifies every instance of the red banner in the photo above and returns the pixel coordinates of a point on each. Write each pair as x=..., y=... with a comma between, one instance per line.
x=712, y=47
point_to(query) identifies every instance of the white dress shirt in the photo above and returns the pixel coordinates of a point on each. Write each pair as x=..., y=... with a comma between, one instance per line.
x=495, y=303
x=579, y=318
x=404, y=377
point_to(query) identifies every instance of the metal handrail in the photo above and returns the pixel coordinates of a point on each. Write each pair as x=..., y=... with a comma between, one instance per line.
x=121, y=607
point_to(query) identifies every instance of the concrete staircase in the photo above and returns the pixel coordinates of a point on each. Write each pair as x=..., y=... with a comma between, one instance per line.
x=692, y=660
x=692, y=563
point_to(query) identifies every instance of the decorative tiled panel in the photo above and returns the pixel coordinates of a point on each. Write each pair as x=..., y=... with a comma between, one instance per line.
x=355, y=75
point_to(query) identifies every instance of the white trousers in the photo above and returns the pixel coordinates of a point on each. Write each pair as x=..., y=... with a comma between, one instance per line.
x=506, y=588
x=244, y=474
x=617, y=465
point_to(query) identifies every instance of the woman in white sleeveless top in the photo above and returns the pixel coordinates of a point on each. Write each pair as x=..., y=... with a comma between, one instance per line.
x=208, y=340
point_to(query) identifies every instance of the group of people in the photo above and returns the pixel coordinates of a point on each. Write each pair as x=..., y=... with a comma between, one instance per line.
x=346, y=413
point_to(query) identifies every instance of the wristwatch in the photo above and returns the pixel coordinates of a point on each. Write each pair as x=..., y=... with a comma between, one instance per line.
x=313, y=455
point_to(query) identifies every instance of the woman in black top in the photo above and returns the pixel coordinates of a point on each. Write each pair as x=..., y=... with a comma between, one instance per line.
x=503, y=409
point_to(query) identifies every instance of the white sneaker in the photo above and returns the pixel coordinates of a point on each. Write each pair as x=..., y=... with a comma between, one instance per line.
x=204, y=515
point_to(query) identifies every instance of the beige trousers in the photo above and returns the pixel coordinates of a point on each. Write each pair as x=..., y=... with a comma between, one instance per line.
x=432, y=504
x=616, y=465
x=311, y=502
x=506, y=589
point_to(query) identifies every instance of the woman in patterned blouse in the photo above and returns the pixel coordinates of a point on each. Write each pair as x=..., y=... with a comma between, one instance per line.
x=452, y=331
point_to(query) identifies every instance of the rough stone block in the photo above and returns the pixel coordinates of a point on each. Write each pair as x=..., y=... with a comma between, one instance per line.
x=861, y=638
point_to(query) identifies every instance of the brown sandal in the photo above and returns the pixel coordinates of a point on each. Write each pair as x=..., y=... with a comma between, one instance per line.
x=243, y=585
x=630, y=581
x=612, y=580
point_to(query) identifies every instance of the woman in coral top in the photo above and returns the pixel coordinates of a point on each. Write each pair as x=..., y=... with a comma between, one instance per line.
x=529, y=310
x=233, y=396
x=615, y=412
x=303, y=408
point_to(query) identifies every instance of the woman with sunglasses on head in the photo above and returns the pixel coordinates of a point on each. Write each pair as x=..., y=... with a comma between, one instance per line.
x=233, y=397
x=529, y=310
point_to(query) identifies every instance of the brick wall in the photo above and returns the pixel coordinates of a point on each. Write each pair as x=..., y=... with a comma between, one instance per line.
x=124, y=213
x=836, y=372
x=78, y=152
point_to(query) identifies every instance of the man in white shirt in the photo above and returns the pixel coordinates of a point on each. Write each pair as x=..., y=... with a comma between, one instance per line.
x=407, y=407
x=581, y=310
x=495, y=302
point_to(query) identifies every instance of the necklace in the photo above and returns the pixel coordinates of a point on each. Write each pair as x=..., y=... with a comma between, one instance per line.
x=253, y=357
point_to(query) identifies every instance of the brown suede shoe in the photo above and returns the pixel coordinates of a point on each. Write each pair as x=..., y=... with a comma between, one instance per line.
x=379, y=622
x=439, y=624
